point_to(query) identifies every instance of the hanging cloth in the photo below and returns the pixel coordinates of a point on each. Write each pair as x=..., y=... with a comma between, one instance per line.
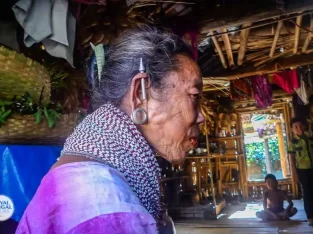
x=50, y=23
x=262, y=92
x=302, y=91
x=287, y=80
x=241, y=89
x=309, y=78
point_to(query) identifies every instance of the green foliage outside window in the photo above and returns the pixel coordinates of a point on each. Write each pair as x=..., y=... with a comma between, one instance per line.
x=255, y=153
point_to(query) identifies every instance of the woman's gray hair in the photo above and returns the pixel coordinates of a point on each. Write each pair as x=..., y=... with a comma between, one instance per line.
x=158, y=49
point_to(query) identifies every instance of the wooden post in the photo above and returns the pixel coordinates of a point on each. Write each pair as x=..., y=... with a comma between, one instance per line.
x=267, y=156
x=199, y=176
x=244, y=34
x=294, y=185
x=219, y=51
x=297, y=33
x=241, y=146
x=277, y=32
x=210, y=164
x=281, y=146
x=228, y=48
x=309, y=37
x=220, y=187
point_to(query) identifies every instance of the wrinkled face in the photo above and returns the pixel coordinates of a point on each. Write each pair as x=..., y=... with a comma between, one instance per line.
x=271, y=184
x=297, y=128
x=174, y=117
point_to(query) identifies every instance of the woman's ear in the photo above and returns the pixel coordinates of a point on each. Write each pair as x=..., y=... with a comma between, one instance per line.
x=136, y=90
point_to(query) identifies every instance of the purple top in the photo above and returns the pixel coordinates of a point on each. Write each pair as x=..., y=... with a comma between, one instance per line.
x=85, y=197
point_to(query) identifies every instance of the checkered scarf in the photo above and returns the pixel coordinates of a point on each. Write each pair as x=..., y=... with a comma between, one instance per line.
x=109, y=136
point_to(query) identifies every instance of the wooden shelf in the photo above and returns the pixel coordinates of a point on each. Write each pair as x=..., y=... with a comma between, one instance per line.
x=224, y=184
x=208, y=185
x=225, y=155
x=226, y=138
x=198, y=157
x=174, y=178
x=228, y=164
x=213, y=156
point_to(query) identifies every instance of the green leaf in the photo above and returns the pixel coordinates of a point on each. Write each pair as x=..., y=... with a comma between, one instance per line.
x=38, y=116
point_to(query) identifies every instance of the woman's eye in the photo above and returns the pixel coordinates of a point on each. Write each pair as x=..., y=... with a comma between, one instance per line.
x=196, y=96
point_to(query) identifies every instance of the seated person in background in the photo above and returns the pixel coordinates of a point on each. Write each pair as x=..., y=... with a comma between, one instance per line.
x=274, y=202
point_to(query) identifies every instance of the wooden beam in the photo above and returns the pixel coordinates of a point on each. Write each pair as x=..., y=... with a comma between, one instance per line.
x=244, y=34
x=219, y=51
x=309, y=37
x=277, y=32
x=297, y=33
x=239, y=14
x=228, y=49
x=293, y=61
x=261, y=62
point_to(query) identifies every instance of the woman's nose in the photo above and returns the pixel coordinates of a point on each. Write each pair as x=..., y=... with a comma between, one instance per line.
x=200, y=118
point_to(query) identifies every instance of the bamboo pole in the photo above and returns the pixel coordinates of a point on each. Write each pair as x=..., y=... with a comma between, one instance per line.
x=281, y=146
x=199, y=171
x=243, y=169
x=293, y=61
x=265, y=60
x=277, y=32
x=248, y=110
x=290, y=114
x=288, y=163
x=210, y=164
x=309, y=37
x=219, y=51
x=297, y=33
x=244, y=34
x=228, y=48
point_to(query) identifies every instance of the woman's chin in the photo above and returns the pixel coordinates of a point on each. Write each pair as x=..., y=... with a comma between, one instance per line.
x=179, y=157
x=175, y=157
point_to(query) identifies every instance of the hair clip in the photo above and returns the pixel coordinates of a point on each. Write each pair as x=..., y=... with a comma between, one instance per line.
x=143, y=81
x=100, y=60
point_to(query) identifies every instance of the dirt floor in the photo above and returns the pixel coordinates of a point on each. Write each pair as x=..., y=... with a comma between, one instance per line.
x=237, y=219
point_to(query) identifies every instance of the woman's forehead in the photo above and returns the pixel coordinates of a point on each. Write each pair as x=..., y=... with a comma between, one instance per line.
x=189, y=72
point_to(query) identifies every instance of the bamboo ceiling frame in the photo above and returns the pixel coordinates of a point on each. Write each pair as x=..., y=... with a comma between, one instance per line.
x=265, y=65
x=262, y=14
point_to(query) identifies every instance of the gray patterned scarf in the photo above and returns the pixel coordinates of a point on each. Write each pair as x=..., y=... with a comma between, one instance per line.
x=109, y=136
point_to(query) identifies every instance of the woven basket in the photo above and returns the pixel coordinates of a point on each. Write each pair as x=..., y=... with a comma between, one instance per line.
x=19, y=74
x=23, y=129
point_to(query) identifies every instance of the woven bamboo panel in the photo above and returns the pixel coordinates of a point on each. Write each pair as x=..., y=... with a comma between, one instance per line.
x=19, y=74
x=23, y=129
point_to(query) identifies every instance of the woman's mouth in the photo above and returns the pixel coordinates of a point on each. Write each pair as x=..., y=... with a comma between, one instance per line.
x=193, y=142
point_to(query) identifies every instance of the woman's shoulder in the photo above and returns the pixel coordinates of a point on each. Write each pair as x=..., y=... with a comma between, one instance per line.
x=89, y=180
x=83, y=193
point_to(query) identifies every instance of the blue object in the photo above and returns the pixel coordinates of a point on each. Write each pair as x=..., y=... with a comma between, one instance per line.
x=23, y=167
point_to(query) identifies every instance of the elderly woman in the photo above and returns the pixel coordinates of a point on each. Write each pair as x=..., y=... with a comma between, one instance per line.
x=107, y=178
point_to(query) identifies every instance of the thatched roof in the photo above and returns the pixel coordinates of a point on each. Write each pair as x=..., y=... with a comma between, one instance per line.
x=236, y=38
